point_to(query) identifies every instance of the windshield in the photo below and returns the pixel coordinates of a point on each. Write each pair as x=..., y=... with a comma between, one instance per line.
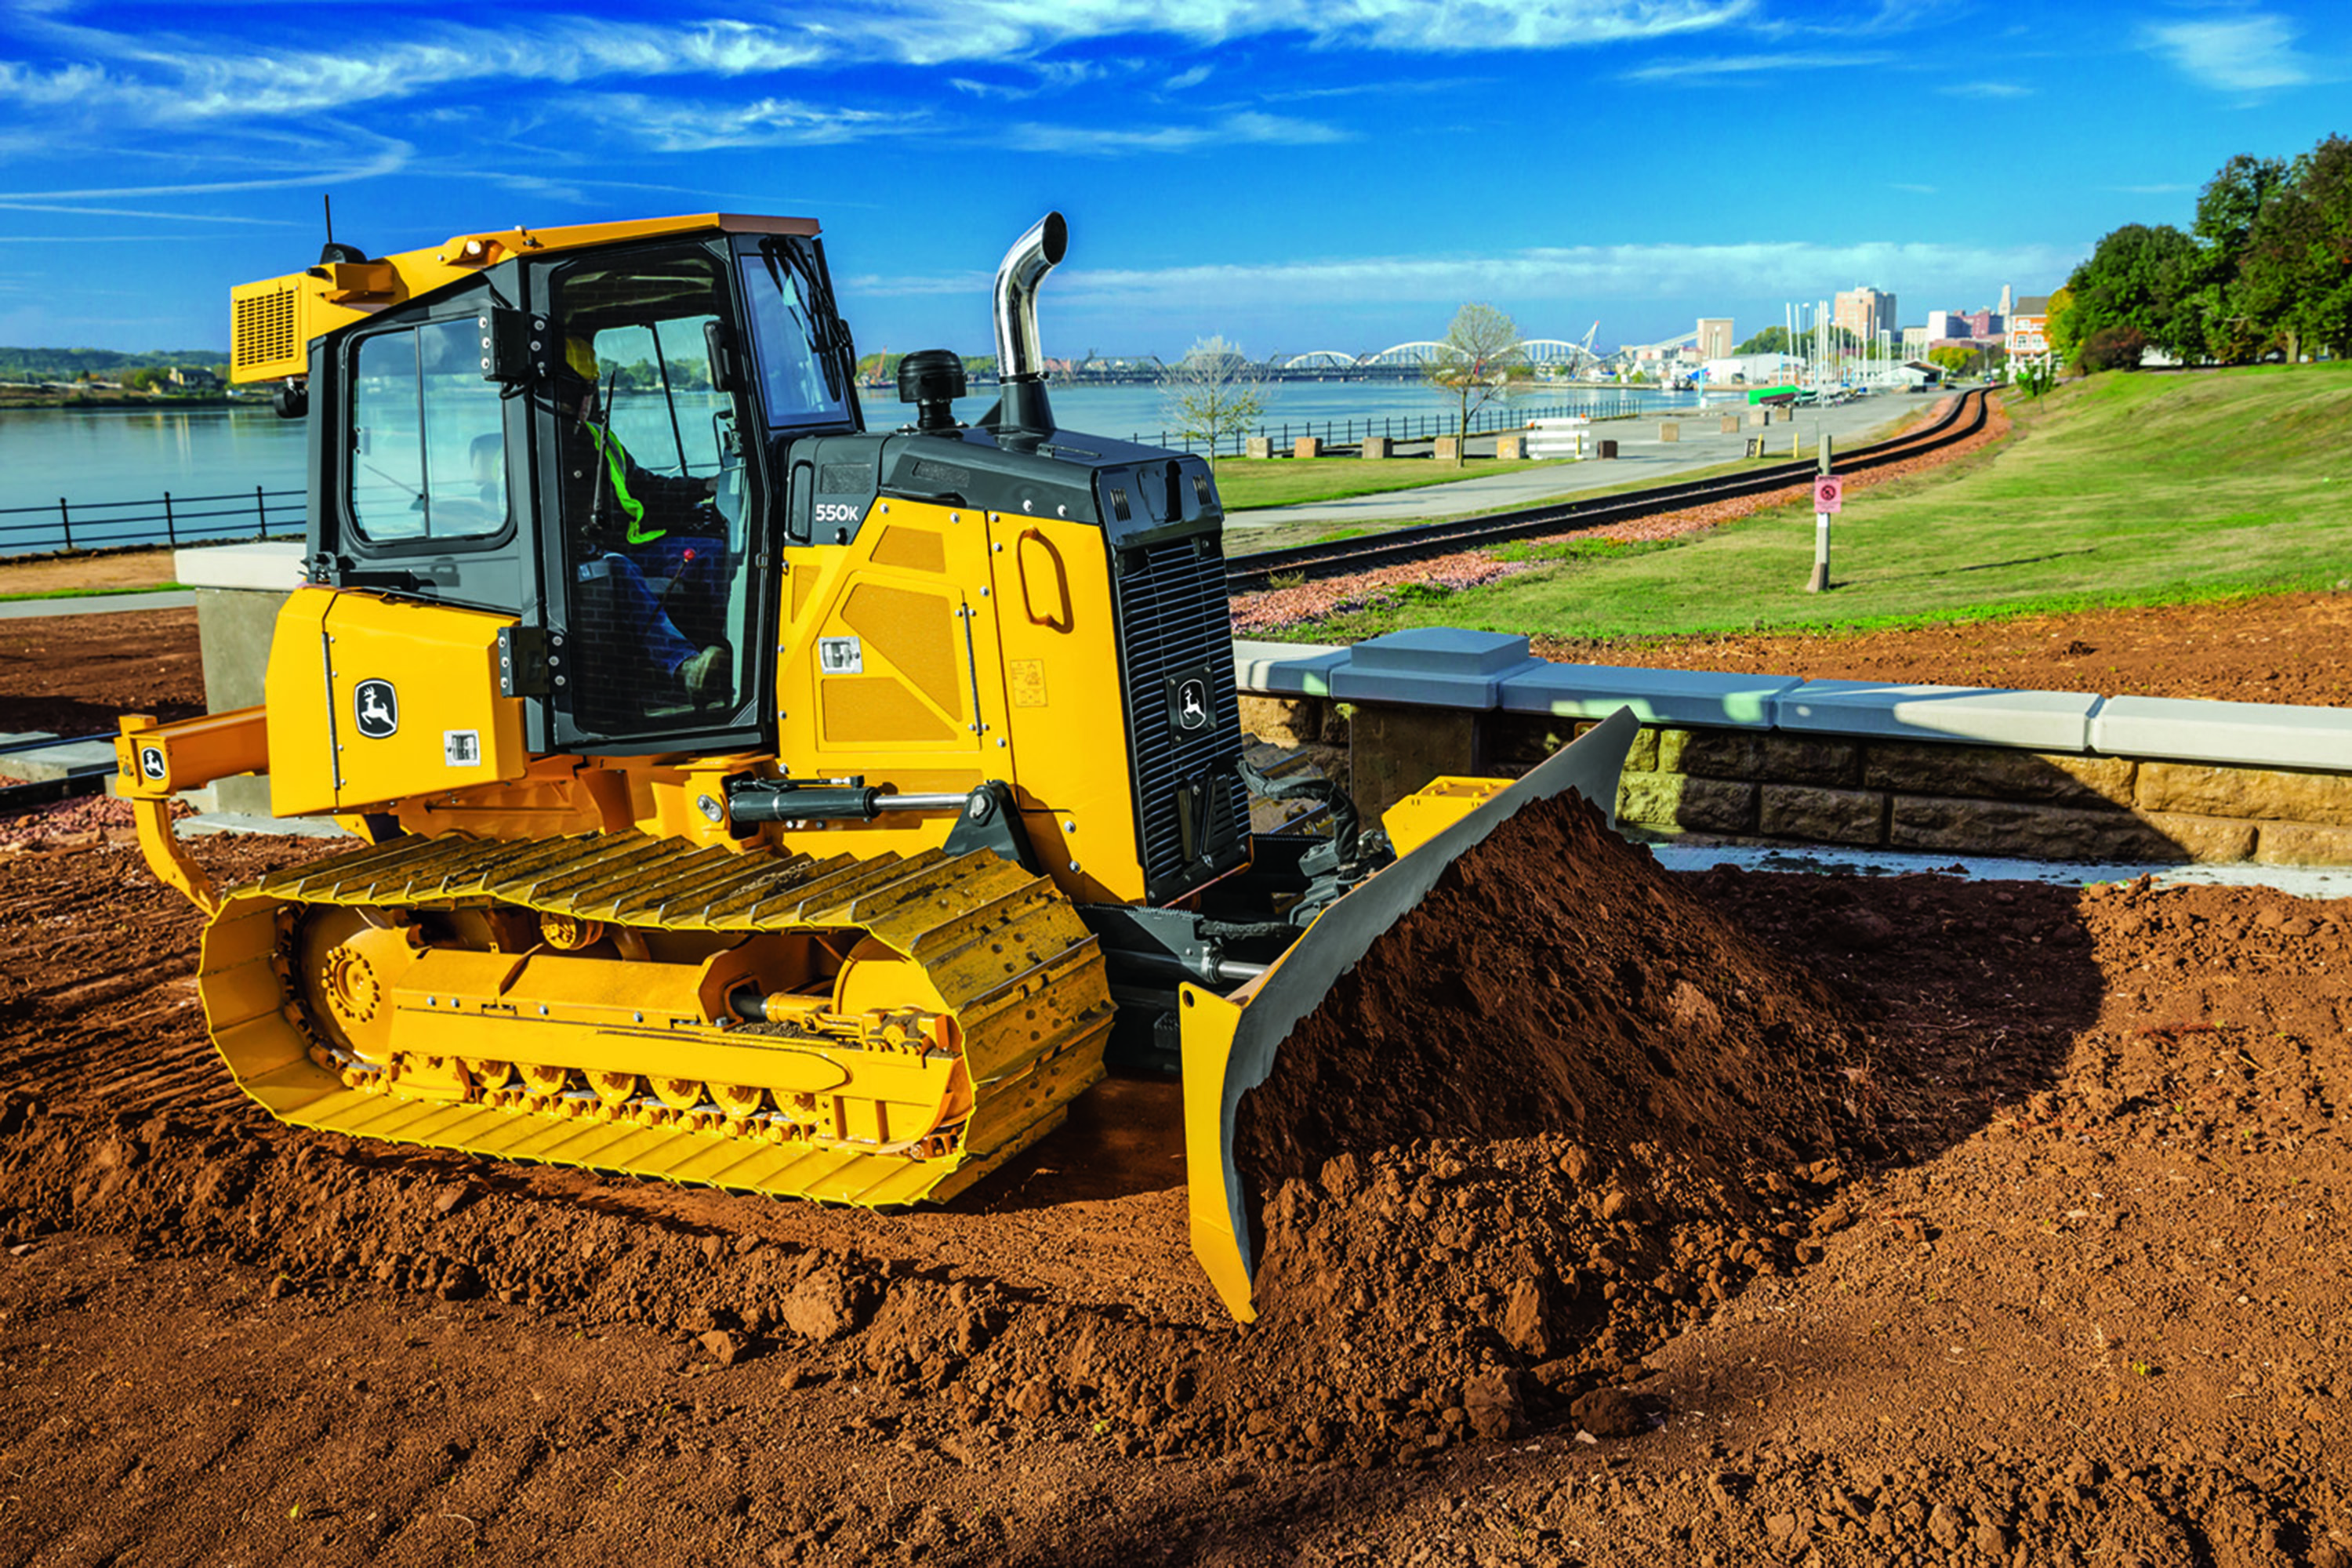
x=798, y=345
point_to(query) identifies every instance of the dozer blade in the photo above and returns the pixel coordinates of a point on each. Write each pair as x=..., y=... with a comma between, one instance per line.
x=1230, y=1043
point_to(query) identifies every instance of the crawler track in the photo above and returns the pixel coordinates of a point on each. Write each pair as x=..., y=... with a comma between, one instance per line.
x=516, y=998
x=1249, y=574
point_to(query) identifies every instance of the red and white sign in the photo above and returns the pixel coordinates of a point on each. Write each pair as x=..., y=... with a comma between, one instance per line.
x=1828, y=493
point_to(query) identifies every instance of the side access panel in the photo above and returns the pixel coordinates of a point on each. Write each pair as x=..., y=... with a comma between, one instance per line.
x=375, y=701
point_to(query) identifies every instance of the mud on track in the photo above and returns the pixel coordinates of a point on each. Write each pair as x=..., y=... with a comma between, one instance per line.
x=2020, y=1232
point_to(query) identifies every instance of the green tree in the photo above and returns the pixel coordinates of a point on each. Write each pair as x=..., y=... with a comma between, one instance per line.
x=1770, y=341
x=2145, y=279
x=2228, y=211
x=2296, y=285
x=2063, y=325
x=1953, y=359
x=1481, y=350
x=1213, y=393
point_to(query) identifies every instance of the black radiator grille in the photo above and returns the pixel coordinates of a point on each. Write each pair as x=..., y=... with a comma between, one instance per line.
x=1174, y=621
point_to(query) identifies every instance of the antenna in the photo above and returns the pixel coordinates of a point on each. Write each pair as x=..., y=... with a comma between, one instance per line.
x=328, y=202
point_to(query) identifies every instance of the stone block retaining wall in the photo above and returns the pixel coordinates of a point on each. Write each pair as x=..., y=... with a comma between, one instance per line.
x=1928, y=797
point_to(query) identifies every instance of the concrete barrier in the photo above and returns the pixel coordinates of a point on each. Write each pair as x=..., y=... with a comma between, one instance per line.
x=1730, y=423
x=2042, y=774
x=1261, y=447
x=239, y=590
x=1670, y=431
x=1506, y=448
x=1307, y=447
x=1448, y=447
x=1760, y=415
x=1377, y=446
x=1557, y=437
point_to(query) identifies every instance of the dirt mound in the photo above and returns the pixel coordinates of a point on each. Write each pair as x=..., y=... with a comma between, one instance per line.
x=1558, y=1110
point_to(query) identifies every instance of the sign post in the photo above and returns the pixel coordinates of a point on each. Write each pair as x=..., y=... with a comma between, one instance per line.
x=1829, y=498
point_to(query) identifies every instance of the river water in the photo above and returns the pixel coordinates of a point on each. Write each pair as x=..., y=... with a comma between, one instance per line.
x=103, y=457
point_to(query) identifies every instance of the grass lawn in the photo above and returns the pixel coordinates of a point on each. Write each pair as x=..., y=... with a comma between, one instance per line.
x=164, y=587
x=2118, y=490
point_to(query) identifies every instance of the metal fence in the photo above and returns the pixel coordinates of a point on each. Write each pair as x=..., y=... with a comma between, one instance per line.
x=1394, y=428
x=257, y=513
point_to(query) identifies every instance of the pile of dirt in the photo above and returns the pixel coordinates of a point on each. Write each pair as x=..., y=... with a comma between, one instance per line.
x=1556, y=1113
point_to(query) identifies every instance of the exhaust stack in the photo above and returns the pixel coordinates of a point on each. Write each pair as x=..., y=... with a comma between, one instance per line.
x=1022, y=403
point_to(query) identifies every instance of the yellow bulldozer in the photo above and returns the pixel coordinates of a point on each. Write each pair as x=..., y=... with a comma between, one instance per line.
x=746, y=797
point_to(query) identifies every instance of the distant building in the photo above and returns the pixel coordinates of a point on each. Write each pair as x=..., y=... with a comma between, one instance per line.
x=1864, y=312
x=1983, y=324
x=1747, y=370
x=1915, y=343
x=2029, y=329
x=1944, y=324
x=1713, y=337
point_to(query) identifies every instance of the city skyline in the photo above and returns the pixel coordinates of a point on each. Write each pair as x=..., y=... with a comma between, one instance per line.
x=1287, y=176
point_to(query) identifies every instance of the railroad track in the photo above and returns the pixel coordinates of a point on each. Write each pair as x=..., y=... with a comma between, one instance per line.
x=1249, y=574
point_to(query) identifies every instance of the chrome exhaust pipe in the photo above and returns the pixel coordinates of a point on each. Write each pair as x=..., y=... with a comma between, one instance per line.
x=1021, y=403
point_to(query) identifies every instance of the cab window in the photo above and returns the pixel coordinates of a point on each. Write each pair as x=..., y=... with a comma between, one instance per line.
x=428, y=442
x=798, y=346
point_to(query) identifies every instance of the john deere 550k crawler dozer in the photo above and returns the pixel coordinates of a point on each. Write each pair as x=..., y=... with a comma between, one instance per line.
x=748, y=797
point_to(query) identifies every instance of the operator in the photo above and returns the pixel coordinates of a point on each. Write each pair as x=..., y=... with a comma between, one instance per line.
x=662, y=522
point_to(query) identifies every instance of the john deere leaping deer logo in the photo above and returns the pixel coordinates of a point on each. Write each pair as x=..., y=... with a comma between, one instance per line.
x=1191, y=704
x=376, y=707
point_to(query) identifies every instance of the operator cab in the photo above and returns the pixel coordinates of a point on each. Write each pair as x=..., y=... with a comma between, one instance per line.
x=593, y=441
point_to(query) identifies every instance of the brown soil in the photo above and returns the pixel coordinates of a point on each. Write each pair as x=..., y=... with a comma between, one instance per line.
x=2283, y=648
x=74, y=675
x=1611, y=1215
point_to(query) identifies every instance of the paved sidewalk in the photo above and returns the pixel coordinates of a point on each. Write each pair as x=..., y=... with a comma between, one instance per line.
x=95, y=604
x=1641, y=460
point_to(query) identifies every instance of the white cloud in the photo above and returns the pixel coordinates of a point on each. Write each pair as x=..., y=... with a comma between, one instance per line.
x=1725, y=67
x=342, y=154
x=677, y=125
x=930, y=32
x=2243, y=53
x=1241, y=128
x=1915, y=190
x=17, y=206
x=182, y=77
x=1797, y=269
x=1987, y=89
x=173, y=82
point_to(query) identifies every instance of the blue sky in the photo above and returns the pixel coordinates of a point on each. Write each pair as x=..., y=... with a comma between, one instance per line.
x=1292, y=174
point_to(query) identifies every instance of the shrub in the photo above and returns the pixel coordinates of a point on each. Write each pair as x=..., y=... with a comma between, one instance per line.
x=2114, y=348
